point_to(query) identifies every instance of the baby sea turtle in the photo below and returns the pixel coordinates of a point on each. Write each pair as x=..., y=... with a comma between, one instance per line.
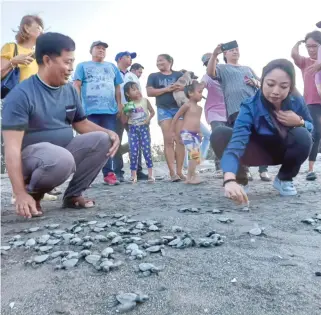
x=53, y=241
x=70, y=263
x=153, y=228
x=93, y=259
x=257, y=231
x=154, y=249
x=309, y=221
x=318, y=228
x=107, y=252
x=40, y=259
x=101, y=238
x=225, y=220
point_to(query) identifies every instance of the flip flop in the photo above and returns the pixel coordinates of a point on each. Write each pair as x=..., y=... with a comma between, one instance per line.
x=265, y=178
x=175, y=178
x=182, y=176
x=78, y=202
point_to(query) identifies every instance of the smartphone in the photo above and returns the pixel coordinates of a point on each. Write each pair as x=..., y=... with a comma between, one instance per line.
x=229, y=45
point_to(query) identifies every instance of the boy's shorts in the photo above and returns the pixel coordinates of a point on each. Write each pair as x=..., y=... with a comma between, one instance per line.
x=192, y=143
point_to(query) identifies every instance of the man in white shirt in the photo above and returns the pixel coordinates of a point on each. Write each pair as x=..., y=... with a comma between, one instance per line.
x=136, y=71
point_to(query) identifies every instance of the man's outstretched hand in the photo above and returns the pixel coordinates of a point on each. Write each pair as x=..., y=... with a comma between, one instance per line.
x=26, y=206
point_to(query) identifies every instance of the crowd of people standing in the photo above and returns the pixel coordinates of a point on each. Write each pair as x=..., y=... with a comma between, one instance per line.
x=255, y=121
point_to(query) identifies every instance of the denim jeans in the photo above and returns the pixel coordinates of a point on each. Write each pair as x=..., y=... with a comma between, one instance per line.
x=107, y=121
x=204, y=146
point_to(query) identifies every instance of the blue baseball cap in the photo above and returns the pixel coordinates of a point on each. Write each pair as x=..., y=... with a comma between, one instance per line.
x=133, y=55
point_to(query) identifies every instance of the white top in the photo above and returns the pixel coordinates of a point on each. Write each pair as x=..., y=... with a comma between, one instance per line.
x=128, y=77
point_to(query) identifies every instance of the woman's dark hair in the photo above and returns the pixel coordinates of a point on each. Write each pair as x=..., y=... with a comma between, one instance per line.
x=315, y=35
x=283, y=64
x=168, y=58
x=225, y=60
x=52, y=45
x=127, y=87
x=22, y=35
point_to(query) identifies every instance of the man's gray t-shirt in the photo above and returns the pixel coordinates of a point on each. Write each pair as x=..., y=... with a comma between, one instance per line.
x=43, y=112
x=235, y=90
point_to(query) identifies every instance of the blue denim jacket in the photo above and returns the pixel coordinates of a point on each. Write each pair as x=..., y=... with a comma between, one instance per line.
x=254, y=116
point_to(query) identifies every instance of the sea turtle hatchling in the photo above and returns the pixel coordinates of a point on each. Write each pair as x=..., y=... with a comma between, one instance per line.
x=225, y=220
x=309, y=221
x=318, y=229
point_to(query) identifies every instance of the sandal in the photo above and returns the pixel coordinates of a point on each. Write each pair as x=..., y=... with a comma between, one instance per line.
x=175, y=178
x=134, y=180
x=151, y=180
x=78, y=202
x=182, y=177
x=50, y=197
x=265, y=177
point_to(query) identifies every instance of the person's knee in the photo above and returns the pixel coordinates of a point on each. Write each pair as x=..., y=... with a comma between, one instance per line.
x=102, y=141
x=302, y=140
x=65, y=163
x=168, y=140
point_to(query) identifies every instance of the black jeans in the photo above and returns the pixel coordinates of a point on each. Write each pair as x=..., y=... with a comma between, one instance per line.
x=119, y=156
x=215, y=124
x=315, y=111
x=268, y=150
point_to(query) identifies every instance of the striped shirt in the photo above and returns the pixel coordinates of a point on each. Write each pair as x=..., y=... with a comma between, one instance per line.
x=235, y=90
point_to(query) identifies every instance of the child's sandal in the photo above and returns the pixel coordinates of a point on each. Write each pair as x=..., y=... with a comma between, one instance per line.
x=133, y=180
x=151, y=180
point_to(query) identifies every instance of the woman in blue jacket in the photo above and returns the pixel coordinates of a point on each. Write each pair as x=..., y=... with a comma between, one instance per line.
x=273, y=127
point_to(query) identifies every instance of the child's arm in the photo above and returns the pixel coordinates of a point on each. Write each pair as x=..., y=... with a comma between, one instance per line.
x=151, y=112
x=183, y=109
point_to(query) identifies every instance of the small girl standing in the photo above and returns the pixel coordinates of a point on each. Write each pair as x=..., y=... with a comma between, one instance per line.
x=139, y=118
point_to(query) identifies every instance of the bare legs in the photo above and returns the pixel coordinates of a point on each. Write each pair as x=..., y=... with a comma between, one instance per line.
x=173, y=151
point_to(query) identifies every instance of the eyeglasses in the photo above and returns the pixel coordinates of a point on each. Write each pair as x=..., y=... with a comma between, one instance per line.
x=312, y=46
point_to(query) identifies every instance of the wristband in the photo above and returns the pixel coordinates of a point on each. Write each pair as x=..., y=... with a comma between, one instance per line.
x=228, y=181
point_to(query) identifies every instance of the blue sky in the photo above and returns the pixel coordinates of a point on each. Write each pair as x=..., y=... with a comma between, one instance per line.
x=184, y=29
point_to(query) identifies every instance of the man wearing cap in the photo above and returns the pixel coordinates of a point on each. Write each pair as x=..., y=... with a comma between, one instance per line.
x=124, y=61
x=98, y=83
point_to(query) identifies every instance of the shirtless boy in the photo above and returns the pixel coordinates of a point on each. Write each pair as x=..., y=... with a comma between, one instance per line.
x=190, y=133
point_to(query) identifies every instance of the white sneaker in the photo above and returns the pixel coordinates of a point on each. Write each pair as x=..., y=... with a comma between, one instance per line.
x=285, y=188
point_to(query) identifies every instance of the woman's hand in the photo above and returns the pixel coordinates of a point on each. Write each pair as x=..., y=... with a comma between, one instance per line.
x=22, y=60
x=170, y=88
x=288, y=118
x=251, y=82
x=217, y=50
x=314, y=69
x=235, y=192
x=178, y=87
